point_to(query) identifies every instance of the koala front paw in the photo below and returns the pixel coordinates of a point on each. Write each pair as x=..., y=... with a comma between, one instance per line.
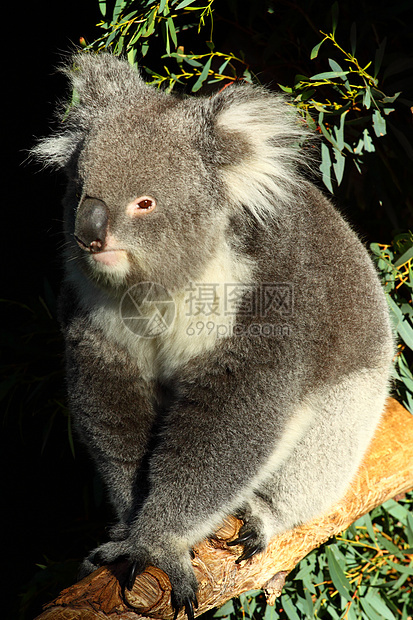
x=175, y=563
x=252, y=538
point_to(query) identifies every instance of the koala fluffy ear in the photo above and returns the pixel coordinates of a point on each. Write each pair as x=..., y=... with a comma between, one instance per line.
x=103, y=81
x=100, y=83
x=57, y=150
x=258, y=145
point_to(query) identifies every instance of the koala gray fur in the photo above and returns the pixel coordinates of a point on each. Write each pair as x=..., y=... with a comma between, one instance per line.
x=186, y=428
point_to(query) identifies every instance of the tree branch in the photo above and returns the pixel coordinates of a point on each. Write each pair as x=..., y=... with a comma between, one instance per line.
x=387, y=471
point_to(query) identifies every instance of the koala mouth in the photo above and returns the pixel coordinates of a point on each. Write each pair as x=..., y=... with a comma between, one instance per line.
x=109, y=257
x=105, y=254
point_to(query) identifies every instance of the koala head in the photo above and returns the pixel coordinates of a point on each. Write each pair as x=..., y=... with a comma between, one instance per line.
x=153, y=179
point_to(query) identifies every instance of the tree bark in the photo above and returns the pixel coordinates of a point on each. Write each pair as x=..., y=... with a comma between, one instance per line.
x=386, y=472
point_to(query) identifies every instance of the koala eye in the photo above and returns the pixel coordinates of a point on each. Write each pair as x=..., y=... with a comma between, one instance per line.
x=141, y=205
x=146, y=203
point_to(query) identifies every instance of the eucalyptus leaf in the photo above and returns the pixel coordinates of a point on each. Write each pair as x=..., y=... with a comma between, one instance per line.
x=404, y=329
x=404, y=258
x=328, y=75
x=325, y=166
x=337, y=575
x=203, y=76
x=371, y=613
x=289, y=608
x=286, y=89
x=369, y=526
x=118, y=8
x=102, y=8
x=368, y=142
x=335, y=66
x=315, y=50
x=172, y=31
x=184, y=4
x=367, y=98
x=379, y=124
x=334, y=16
x=338, y=165
x=390, y=546
x=225, y=610
x=379, y=605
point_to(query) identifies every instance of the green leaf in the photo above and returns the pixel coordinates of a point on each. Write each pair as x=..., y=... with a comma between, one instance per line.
x=368, y=142
x=374, y=247
x=379, y=124
x=402, y=326
x=102, y=7
x=183, y=4
x=406, y=256
x=334, y=16
x=191, y=61
x=338, y=165
x=391, y=99
x=371, y=614
x=286, y=89
x=150, y=23
x=391, y=547
x=270, y=613
x=131, y=56
x=202, y=77
x=328, y=75
x=172, y=31
x=410, y=529
x=225, y=610
x=401, y=568
x=224, y=65
x=315, y=50
x=335, y=66
x=339, y=131
x=367, y=98
x=289, y=608
x=325, y=166
x=118, y=8
x=337, y=575
x=379, y=605
x=369, y=525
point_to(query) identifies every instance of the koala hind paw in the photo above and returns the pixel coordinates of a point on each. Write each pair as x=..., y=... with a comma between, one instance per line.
x=251, y=537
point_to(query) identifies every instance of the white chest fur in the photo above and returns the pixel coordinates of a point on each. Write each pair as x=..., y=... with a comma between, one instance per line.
x=204, y=312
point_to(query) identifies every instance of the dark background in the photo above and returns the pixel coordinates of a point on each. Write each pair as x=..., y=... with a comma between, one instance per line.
x=40, y=478
x=52, y=503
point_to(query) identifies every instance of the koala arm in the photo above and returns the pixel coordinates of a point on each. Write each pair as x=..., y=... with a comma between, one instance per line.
x=203, y=467
x=111, y=407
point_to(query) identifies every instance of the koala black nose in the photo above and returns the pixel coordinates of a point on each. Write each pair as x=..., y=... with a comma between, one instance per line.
x=91, y=225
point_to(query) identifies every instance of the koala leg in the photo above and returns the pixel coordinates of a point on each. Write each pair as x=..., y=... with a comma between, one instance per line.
x=320, y=467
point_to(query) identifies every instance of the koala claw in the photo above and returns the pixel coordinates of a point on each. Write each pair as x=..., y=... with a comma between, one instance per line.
x=248, y=552
x=242, y=538
x=189, y=603
x=250, y=538
x=134, y=570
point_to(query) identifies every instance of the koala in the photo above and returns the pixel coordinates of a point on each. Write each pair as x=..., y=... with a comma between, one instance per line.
x=228, y=343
